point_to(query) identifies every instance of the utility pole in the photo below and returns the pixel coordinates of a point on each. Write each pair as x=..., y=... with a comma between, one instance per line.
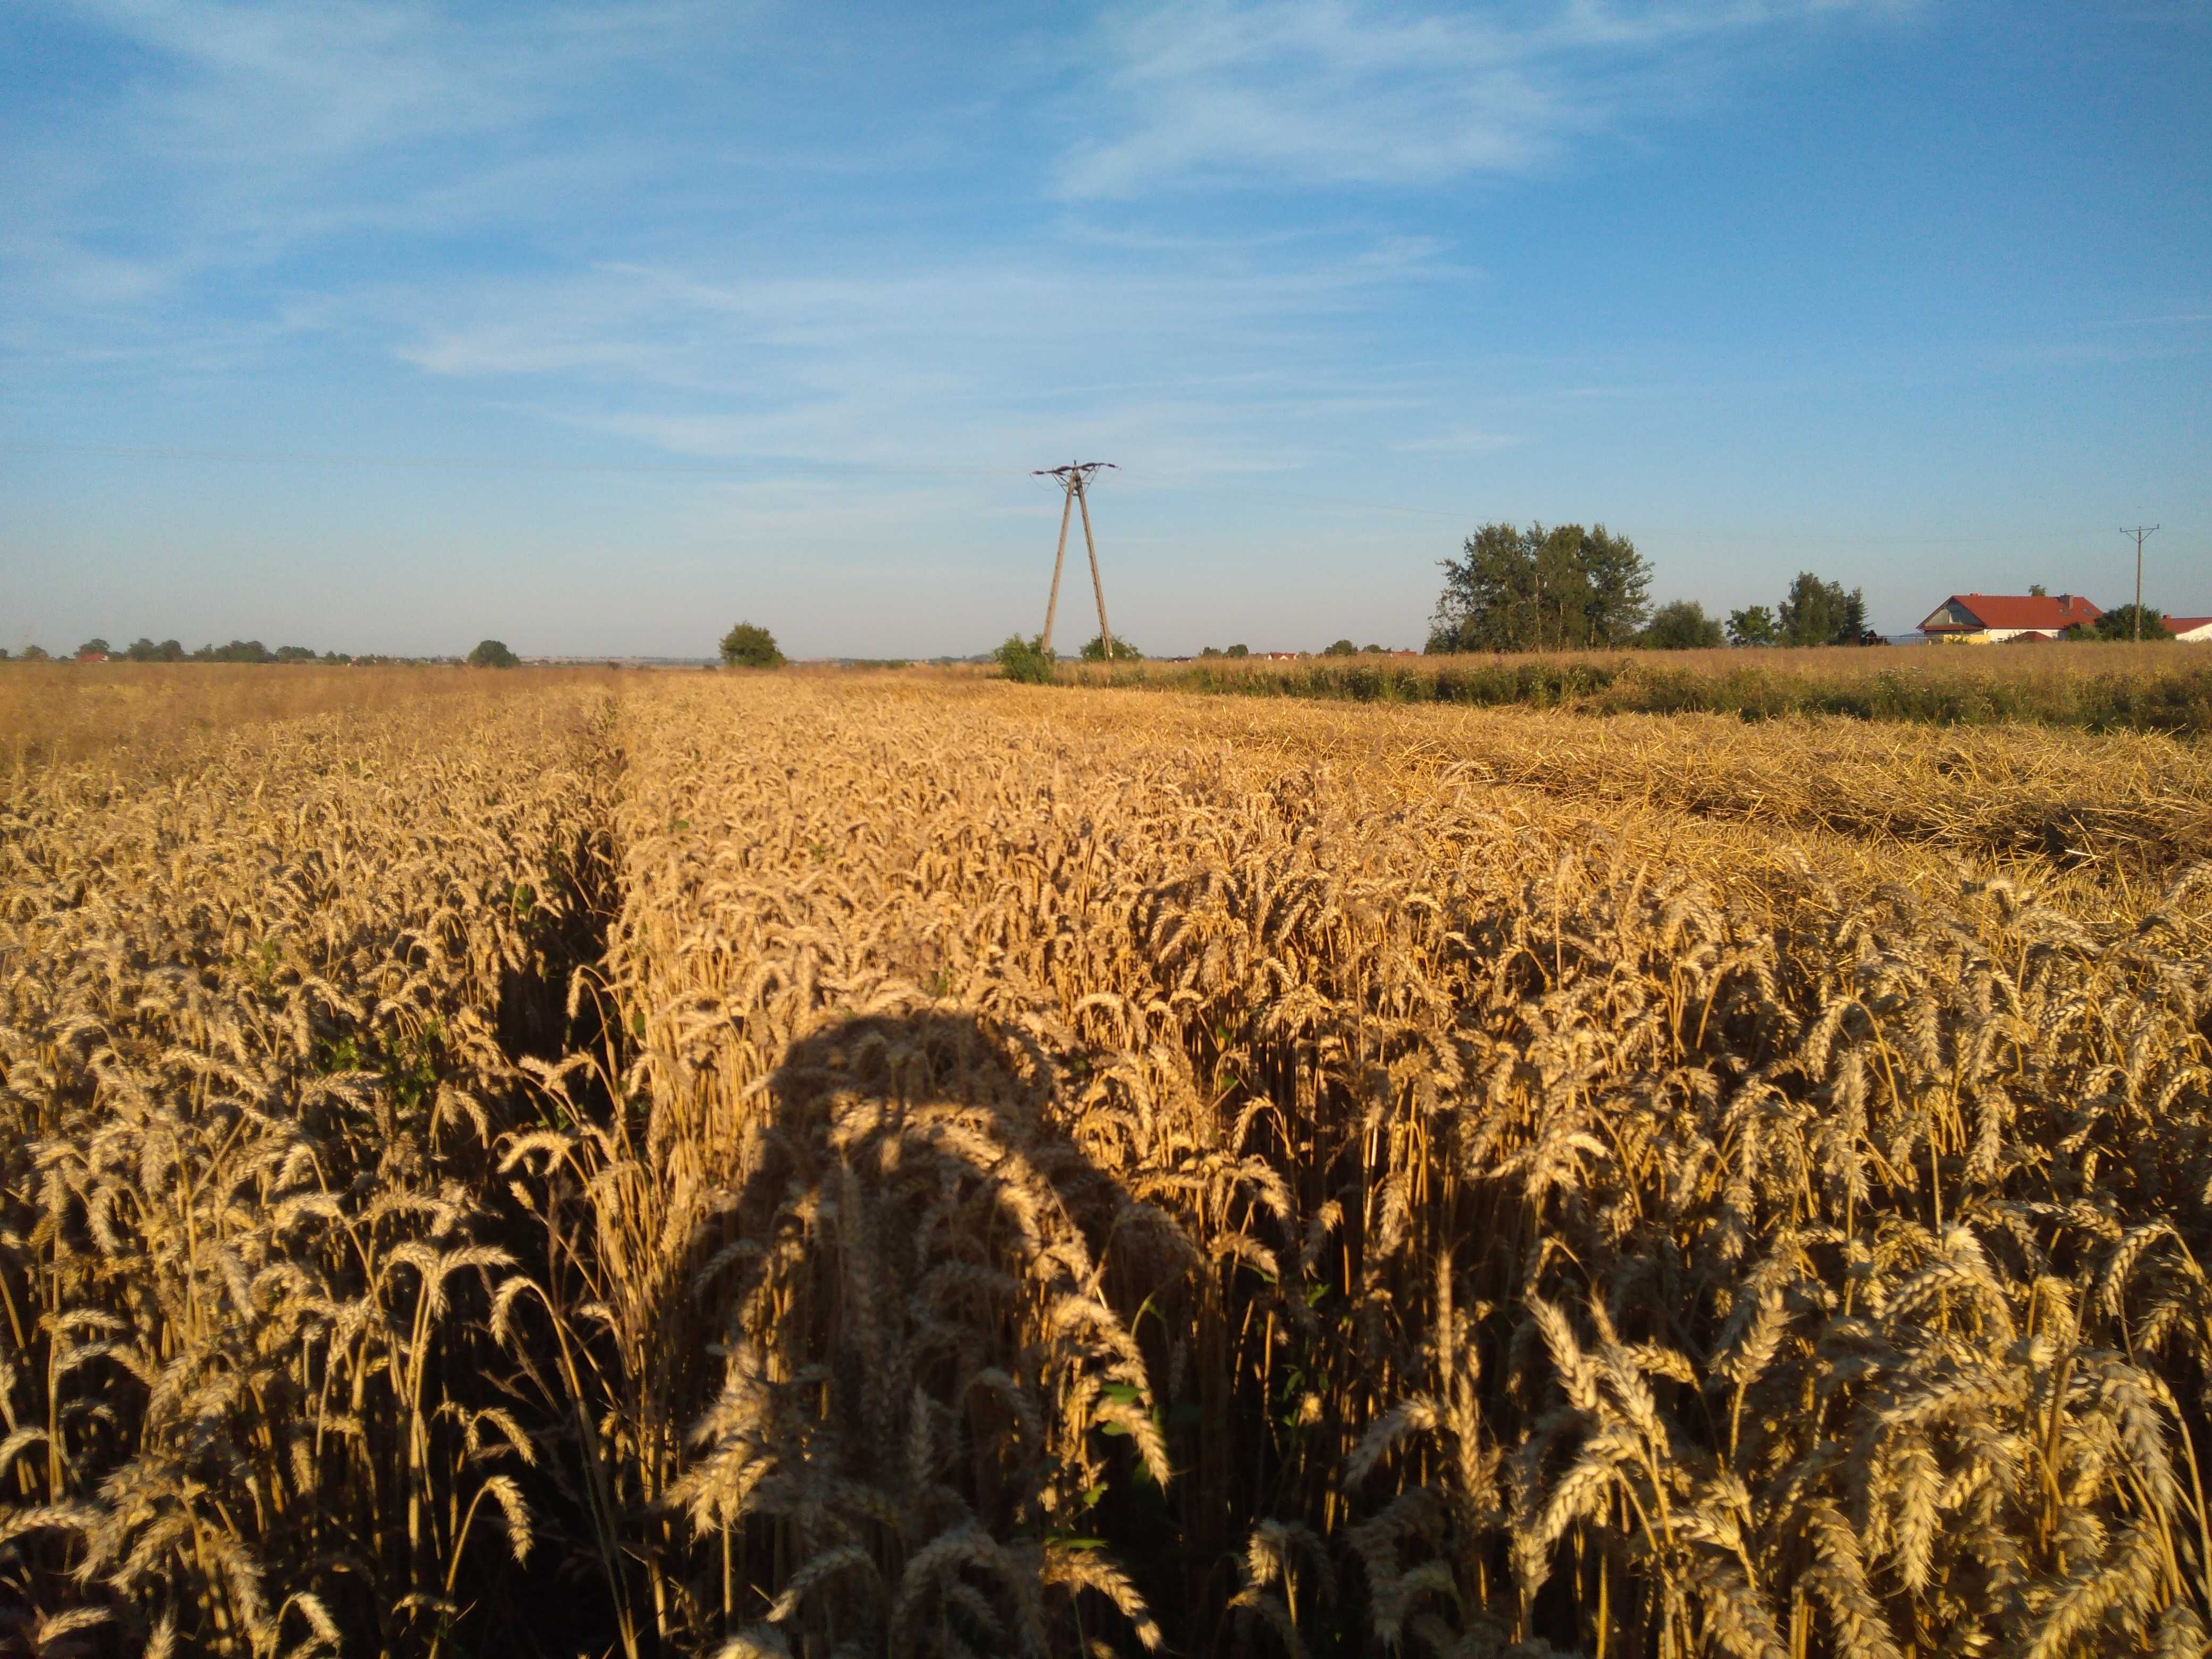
x=1052, y=604
x=1075, y=479
x=2139, y=532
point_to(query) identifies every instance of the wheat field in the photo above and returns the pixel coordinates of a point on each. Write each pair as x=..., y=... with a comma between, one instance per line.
x=802, y=1165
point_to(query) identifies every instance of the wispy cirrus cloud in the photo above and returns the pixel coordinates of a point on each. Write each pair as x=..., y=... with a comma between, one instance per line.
x=1459, y=440
x=218, y=141
x=1225, y=369
x=1292, y=93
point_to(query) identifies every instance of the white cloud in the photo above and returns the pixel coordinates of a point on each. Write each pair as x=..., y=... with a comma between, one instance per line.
x=1354, y=91
x=1459, y=440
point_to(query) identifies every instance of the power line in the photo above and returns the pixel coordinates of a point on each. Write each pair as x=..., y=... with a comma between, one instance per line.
x=1376, y=507
x=736, y=467
x=469, y=463
x=2139, y=532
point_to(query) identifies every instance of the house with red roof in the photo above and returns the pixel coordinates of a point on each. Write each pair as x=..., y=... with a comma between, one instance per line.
x=2192, y=630
x=1990, y=618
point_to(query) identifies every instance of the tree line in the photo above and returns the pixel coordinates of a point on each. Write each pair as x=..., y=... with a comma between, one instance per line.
x=1575, y=587
x=145, y=650
x=488, y=654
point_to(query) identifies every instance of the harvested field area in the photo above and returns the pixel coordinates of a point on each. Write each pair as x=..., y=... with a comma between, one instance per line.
x=805, y=1166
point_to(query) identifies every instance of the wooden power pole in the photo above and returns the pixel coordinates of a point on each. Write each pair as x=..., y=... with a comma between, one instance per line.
x=2139, y=532
x=1075, y=479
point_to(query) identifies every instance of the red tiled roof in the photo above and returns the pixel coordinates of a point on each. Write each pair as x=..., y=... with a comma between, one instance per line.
x=2186, y=624
x=2024, y=610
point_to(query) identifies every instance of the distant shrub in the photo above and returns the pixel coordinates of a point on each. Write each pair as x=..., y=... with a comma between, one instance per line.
x=1754, y=625
x=748, y=646
x=1341, y=648
x=1123, y=651
x=492, y=654
x=1025, y=660
x=1681, y=625
x=2121, y=624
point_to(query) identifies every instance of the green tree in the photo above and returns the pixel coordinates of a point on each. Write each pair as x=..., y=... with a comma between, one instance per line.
x=1237, y=651
x=1754, y=625
x=1681, y=625
x=1536, y=589
x=1488, y=602
x=172, y=651
x=1371, y=650
x=1123, y=651
x=2120, y=624
x=1563, y=592
x=1341, y=648
x=1816, y=613
x=492, y=654
x=748, y=646
x=1025, y=660
x=1619, y=581
x=1854, y=630
x=35, y=653
x=304, y=654
x=1210, y=651
x=94, y=647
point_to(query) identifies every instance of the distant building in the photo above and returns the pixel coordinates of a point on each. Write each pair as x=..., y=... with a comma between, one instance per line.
x=1991, y=618
x=2192, y=630
x=92, y=656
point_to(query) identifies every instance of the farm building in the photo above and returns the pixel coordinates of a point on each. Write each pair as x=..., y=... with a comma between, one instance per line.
x=2190, y=630
x=1990, y=618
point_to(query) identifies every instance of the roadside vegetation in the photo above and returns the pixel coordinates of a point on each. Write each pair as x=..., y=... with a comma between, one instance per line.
x=2100, y=687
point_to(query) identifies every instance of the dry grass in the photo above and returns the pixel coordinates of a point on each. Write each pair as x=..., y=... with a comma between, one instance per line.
x=2049, y=664
x=935, y=1168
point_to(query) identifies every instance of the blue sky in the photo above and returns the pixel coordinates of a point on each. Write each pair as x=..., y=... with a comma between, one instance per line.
x=595, y=328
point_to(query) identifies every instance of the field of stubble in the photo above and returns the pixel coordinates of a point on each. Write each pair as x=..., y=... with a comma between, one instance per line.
x=815, y=1166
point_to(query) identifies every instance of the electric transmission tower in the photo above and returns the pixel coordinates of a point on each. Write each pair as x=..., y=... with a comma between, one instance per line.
x=1075, y=479
x=2139, y=532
